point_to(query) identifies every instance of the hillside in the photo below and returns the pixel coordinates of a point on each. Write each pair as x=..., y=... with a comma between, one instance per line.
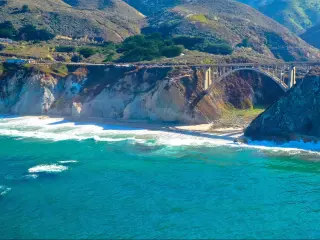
x=312, y=36
x=297, y=15
x=113, y=20
x=229, y=21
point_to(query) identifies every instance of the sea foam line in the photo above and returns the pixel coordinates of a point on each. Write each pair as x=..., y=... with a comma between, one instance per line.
x=4, y=190
x=52, y=168
x=68, y=161
x=56, y=129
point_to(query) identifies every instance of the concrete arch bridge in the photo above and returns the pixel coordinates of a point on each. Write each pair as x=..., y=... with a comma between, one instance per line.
x=213, y=74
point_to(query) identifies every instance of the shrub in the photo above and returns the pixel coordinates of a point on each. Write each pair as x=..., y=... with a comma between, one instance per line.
x=188, y=42
x=25, y=8
x=3, y=2
x=30, y=33
x=66, y=49
x=245, y=43
x=147, y=47
x=140, y=54
x=172, y=51
x=1, y=69
x=217, y=48
x=87, y=52
x=76, y=58
x=7, y=30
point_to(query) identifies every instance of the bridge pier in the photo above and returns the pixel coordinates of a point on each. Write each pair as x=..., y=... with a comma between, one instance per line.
x=207, y=77
x=292, y=74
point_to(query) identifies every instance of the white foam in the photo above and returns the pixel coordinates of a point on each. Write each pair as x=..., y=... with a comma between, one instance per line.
x=31, y=176
x=56, y=129
x=53, y=168
x=68, y=161
x=4, y=190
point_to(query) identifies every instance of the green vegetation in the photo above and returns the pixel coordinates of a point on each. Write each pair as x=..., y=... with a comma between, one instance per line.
x=278, y=46
x=95, y=18
x=30, y=33
x=60, y=70
x=172, y=51
x=245, y=43
x=25, y=9
x=199, y=18
x=217, y=48
x=147, y=47
x=204, y=45
x=27, y=32
x=65, y=49
x=87, y=51
x=1, y=69
x=7, y=30
x=188, y=42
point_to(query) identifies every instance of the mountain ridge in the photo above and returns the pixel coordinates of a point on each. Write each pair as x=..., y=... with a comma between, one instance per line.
x=115, y=22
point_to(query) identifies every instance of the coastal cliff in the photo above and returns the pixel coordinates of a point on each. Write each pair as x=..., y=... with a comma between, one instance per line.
x=110, y=92
x=295, y=116
x=127, y=92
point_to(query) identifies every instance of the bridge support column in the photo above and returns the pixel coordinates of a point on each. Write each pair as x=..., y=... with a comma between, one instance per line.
x=207, y=78
x=292, y=75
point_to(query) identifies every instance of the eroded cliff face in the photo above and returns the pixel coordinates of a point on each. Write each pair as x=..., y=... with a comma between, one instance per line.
x=294, y=116
x=111, y=92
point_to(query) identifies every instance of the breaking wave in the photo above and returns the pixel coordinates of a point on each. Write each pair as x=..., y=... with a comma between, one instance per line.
x=53, y=168
x=4, y=190
x=68, y=161
x=58, y=129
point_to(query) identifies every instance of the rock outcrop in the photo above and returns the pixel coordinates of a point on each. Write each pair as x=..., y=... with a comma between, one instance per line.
x=294, y=116
x=110, y=92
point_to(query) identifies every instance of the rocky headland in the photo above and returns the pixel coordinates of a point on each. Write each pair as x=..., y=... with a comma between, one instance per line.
x=295, y=116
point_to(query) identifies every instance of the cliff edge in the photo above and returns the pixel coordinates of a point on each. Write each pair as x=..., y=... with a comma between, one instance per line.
x=294, y=116
x=163, y=94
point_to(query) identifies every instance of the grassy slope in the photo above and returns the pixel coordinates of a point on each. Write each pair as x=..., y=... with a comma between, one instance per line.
x=231, y=21
x=113, y=21
x=297, y=15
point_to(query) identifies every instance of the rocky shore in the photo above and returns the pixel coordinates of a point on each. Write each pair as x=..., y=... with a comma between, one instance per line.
x=294, y=117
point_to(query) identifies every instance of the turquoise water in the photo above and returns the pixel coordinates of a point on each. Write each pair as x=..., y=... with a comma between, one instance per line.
x=63, y=180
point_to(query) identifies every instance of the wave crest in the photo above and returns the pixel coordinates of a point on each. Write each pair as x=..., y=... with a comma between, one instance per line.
x=52, y=168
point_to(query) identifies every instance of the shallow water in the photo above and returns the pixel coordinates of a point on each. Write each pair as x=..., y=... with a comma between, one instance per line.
x=65, y=180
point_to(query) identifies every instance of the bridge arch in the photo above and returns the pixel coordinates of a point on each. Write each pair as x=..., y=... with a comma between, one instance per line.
x=277, y=80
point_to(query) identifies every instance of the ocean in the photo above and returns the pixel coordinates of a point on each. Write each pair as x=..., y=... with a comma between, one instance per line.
x=66, y=180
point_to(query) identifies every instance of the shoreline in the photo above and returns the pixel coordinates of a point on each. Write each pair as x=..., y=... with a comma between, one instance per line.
x=142, y=131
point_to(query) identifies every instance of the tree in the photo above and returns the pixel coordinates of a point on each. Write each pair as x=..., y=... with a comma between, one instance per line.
x=66, y=49
x=25, y=8
x=87, y=52
x=7, y=30
x=30, y=33
x=3, y=2
x=189, y=42
x=217, y=48
x=172, y=51
x=76, y=58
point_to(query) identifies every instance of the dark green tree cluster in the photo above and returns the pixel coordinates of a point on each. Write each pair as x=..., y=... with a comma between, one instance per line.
x=65, y=49
x=245, y=43
x=217, y=48
x=147, y=47
x=30, y=33
x=87, y=51
x=27, y=32
x=7, y=30
x=25, y=9
x=203, y=45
